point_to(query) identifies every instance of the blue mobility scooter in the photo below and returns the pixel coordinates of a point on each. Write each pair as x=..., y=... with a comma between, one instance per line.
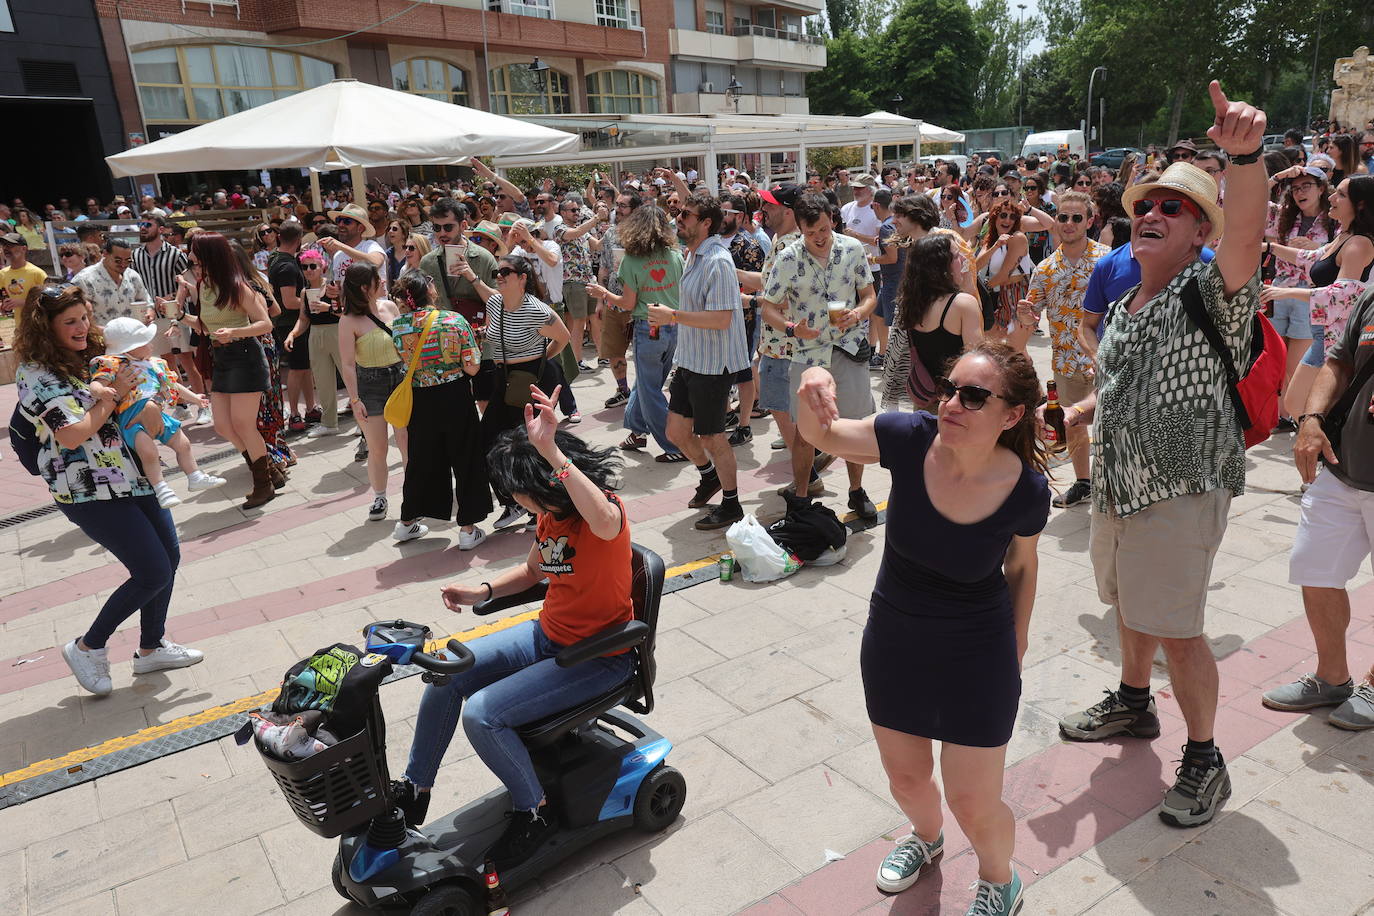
x=596, y=781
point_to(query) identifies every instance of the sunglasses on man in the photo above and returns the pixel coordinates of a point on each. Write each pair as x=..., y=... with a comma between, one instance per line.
x=1169, y=206
x=1065, y=217
x=972, y=397
x=347, y=221
x=1182, y=155
x=445, y=227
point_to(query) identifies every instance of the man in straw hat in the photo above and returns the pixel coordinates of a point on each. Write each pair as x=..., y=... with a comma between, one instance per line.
x=1168, y=454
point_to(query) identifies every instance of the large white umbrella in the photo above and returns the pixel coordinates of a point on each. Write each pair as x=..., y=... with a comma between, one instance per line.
x=930, y=133
x=343, y=124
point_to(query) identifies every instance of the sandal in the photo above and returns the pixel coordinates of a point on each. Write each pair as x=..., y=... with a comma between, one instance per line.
x=758, y=413
x=634, y=442
x=671, y=458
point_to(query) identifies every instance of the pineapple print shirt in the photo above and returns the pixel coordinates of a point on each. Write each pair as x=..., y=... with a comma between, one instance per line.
x=1057, y=286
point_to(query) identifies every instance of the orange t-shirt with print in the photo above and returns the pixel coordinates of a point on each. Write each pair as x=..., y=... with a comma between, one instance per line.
x=589, y=579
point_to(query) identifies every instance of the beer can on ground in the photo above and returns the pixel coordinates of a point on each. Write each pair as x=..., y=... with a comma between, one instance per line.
x=727, y=567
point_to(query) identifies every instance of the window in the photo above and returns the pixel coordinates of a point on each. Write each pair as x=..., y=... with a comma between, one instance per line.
x=515, y=89
x=617, y=14
x=205, y=82
x=431, y=78
x=715, y=17
x=742, y=24
x=621, y=92
x=539, y=9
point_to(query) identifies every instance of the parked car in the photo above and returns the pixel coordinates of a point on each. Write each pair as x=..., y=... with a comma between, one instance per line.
x=1112, y=158
x=986, y=154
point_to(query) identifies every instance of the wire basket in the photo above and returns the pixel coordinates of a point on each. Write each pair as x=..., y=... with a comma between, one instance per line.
x=336, y=790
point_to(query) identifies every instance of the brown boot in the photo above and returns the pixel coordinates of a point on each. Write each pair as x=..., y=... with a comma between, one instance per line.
x=262, y=484
x=278, y=476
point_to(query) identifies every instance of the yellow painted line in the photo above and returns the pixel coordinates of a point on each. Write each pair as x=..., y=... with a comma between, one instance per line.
x=73, y=761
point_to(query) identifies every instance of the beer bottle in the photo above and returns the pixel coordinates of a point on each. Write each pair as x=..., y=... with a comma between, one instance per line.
x=1056, y=439
x=496, y=895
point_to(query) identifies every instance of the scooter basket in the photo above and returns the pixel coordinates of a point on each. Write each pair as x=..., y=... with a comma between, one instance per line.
x=336, y=790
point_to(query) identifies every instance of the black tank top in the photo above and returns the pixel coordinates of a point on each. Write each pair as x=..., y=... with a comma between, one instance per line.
x=1325, y=271
x=936, y=348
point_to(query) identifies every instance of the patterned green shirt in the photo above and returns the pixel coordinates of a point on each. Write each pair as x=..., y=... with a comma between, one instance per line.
x=1165, y=425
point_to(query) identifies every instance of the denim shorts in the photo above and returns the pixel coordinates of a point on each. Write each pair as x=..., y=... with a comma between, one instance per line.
x=775, y=380
x=1293, y=318
x=375, y=386
x=1316, y=354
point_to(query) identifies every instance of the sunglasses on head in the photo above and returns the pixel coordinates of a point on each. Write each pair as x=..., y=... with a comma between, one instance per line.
x=1065, y=217
x=1169, y=206
x=971, y=396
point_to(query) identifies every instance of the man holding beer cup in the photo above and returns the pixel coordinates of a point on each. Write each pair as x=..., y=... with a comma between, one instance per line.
x=828, y=287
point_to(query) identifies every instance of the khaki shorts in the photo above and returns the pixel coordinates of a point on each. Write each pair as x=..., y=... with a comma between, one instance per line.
x=1154, y=567
x=615, y=333
x=1072, y=388
x=575, y=298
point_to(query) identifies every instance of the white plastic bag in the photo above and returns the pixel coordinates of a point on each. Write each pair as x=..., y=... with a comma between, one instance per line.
x=757, y=555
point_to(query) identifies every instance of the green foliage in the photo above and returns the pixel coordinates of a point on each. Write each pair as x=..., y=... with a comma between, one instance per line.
x=574, y=177
x=843, y=87
x=825, y=158
x=995, y=89
x=931, y=54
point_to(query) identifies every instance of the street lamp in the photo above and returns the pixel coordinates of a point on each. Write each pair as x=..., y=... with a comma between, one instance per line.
x=1088, y=123
x=896, y=103
x=1020, y=73
x=541, y=72
x=732, y=92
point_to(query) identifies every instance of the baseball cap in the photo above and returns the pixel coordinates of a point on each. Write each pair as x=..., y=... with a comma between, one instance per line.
x=783, y=195
x=13, y=238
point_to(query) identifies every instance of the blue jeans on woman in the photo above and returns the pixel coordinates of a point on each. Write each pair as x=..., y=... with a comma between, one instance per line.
x=141, y=535
x=647, y=410
x=514, y=682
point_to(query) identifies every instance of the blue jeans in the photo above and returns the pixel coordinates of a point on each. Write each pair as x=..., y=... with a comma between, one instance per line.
x=141, y=535
x=647, y=410
x=514, y=682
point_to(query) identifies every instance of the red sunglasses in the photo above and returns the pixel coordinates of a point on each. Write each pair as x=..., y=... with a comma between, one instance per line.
x=1169, y=206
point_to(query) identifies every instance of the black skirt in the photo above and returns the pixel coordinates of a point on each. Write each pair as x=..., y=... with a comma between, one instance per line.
x=239, y=367
x=951, y=679
x=446, y=473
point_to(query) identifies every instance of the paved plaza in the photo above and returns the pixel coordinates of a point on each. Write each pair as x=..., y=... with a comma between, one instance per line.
x=758, y=687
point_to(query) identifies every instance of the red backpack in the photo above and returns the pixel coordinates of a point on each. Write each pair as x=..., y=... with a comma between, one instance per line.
x=1255, y=391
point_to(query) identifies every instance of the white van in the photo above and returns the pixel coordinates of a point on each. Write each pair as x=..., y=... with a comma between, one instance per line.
x=1047, y=143
x=955, y=158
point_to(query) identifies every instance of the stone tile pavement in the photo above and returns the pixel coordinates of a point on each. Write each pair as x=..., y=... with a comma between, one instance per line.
x=759, y=690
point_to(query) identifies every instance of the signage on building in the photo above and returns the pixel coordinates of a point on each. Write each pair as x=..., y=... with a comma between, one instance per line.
x=135, y=137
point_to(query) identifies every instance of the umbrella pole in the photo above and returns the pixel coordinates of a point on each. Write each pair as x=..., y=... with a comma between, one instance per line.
x=359, y=180
x=316, y=201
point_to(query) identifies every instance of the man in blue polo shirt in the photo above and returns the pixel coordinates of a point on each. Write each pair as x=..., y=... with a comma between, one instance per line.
x=1115, y=274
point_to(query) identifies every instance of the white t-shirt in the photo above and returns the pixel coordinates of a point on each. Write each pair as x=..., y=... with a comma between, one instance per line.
x=342, y=260
x=550, y=274
x=862, y=219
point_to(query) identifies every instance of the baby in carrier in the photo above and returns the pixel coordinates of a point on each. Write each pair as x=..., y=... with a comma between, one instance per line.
x=142, y=417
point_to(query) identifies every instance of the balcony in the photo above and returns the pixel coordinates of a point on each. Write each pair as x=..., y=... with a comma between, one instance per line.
x=717, y=103
x=750, y=46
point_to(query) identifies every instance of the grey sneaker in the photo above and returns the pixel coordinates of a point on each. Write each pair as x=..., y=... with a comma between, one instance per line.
x=903, y=864
x=1109, y=718
x=1307, y=692
x=997, y=899
x=1356, y=713
x=1197, y=793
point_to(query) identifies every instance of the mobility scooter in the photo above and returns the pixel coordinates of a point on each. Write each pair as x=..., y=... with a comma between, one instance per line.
x=597, y=781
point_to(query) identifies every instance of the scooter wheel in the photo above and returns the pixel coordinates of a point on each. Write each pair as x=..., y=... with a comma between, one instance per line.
x=660, y=799
x=447, y=900
x=336, y=874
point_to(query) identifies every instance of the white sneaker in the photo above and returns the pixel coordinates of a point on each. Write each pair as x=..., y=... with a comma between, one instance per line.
x=320, y=431
x=513, y=515
x=165, y=657
x=469, y=540
x=199, y=480
x=830, y=556
x=91, y=667
x=403, y=532
x=166, y=496
x=206, y=418
x=378, y=510
x=183, y=413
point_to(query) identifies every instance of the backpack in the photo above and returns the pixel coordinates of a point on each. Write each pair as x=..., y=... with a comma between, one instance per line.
x=1254, y=389
x=24, y=440
x=340, y=681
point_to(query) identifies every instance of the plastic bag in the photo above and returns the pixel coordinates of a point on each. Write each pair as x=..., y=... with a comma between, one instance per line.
x=759, y=557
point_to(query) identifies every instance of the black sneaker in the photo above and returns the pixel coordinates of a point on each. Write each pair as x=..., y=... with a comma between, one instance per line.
x=1079, y=492
x=741, y=435
x=1109, y=718
x=617, y=399
x=413, y=803
x=708, y=487
x=526, y=832
x=360, y=453
x=1197, y=793
x=603, y=364
x=861, y=504
x=720, y=517
x=731, y=419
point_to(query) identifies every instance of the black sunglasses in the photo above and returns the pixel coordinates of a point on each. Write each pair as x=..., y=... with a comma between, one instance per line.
x=1065, y=217
x=312, y=267
x=1001, y=192
x=445, y=227
x=504, y=272
x=1031, y=187
x=971, y=396
x=346, y=220
x=410, y=248
x=1185, y=155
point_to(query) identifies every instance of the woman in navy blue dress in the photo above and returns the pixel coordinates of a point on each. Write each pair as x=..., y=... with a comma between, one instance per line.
x=950, y=613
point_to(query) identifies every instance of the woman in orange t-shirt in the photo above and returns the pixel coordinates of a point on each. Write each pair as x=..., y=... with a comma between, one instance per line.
x=582, y=546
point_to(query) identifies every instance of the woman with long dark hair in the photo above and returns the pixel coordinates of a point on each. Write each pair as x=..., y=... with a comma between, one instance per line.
x=954, y=594
x=272, y=420
x=396, y=234
x=523, y=336
x=935, y=337
x=446, y=468
x=233, y=317
x=416, y=217
x=96, y=482
x=1346, y=152
x=1106, y=207
x=372, y=368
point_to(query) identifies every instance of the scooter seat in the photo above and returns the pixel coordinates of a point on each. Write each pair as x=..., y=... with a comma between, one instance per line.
x=549, y=729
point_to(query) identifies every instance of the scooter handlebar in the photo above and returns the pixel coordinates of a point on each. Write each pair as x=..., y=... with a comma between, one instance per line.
x=463, y=660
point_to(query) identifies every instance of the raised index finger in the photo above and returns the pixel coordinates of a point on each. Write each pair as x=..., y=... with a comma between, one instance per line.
x=1219, y=100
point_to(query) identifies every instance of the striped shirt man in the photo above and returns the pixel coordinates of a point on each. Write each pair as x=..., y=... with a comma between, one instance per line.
x=709, y=284
x=159, y=267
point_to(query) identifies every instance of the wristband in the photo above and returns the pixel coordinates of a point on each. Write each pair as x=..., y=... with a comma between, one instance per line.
x=562, y=472
x=754, y=302
x=1248, y=158
x=673, y=316
x=791, y=329
x=1318, y=414
x=490, y=593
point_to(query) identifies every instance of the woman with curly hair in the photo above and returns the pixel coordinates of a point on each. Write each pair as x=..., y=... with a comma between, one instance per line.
x=96, y=482
x=1004, y=264
x=1106, y=207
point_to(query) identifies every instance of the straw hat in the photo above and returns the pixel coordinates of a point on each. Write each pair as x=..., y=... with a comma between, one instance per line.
x=125, y=334
x=1194, y=184
x=492, y=231
x=355, y=212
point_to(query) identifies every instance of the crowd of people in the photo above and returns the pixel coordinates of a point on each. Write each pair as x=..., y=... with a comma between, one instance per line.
x=456, y=318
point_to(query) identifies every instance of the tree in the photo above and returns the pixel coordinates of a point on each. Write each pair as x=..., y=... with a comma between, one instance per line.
x=931, y=54
x=844, y=86
x=995, y=89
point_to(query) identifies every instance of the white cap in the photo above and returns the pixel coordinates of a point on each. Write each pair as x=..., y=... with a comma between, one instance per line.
x=125, y=334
